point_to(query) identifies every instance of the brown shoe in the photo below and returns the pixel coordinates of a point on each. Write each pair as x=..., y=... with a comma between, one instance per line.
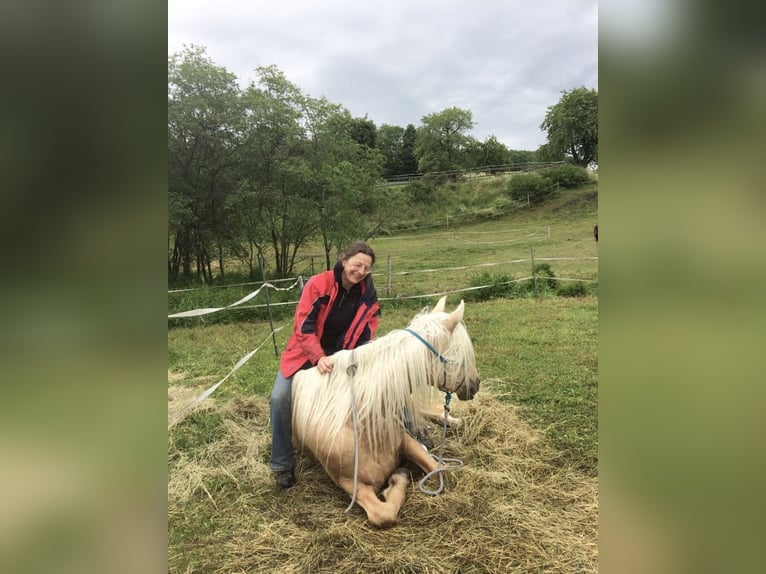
x=285, y=478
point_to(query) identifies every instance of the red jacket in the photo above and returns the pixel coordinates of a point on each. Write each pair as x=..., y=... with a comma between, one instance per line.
x=303, y=349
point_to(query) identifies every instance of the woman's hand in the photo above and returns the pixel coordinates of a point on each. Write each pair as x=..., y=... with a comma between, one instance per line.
x=324, y=365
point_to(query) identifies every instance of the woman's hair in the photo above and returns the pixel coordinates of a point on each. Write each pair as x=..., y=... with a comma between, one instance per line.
x=358, y=247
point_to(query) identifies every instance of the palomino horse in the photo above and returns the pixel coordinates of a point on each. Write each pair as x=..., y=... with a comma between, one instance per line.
x=352, y=419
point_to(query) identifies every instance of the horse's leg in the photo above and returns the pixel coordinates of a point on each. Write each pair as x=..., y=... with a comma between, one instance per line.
x=380, y=513
x=417, y=454
x=438, y=418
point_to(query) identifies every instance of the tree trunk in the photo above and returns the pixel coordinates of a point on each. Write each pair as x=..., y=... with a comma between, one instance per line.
x=220, y=257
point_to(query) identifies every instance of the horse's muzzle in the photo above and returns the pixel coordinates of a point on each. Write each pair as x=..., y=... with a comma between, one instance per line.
x=469, y=389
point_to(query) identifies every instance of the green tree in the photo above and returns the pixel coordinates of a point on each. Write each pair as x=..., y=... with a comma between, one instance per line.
x=364, y=131
x=343, y=174
x=407, y=160
x=493, y=152
x=572, y=126
x=260, y=212
x=272, y=198
x=250, y=232
x=390, y=144
x=547, y=152
x=203, y=139
x=397, y=145
x=442, y=140
x=517, y=156
x=473, y=153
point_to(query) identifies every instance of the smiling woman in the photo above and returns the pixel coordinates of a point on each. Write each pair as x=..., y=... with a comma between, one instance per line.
x=338, y=309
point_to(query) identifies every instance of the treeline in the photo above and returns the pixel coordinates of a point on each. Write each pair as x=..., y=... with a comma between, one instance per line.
x=261, y=171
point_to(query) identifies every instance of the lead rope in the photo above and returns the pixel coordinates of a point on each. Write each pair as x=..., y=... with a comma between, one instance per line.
x=352, y=371
x=446, y=463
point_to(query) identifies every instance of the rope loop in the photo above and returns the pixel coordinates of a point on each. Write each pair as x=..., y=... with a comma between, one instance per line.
x=445, y=463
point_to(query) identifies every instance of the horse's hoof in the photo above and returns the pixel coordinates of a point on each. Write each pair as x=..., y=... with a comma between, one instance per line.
x=400, y=474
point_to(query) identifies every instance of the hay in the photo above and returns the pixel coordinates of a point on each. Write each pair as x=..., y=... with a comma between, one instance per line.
x=512, y=508
x=181, y=395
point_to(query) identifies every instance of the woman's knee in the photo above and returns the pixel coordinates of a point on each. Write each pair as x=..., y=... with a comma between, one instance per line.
x=281, y=394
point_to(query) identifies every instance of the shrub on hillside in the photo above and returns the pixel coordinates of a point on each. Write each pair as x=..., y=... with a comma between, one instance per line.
x=419, y=191
x=566, y=176
x=573, y=289
x=543, y=283
x=499, y=287
x=527, y=185
x=546, y=278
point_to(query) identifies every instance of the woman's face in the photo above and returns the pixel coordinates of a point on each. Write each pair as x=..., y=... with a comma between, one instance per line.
x=356, y=268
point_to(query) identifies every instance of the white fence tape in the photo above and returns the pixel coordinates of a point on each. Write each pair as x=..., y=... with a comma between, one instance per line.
x=458, y=268
x=453, y=290
x=245, y=299
x=210, y=391
x=228, y=285
x=458, y=238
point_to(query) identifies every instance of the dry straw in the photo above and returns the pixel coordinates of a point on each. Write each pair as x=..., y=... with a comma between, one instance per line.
x=512, y=508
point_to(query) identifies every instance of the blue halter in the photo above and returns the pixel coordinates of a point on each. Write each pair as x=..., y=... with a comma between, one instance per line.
x=443, y=360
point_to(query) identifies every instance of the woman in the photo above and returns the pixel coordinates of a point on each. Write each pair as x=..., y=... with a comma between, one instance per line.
x=338, y=309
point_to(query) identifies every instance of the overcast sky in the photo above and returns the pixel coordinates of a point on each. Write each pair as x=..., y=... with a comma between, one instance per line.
x=506, y=61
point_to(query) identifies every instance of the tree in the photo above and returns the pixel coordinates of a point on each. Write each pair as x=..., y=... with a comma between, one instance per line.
x=517, y=156
x=363, y=131
x=407, y=159
x=203, y=138
x=397, y=145
x=250, y=231
x=442, y=140
x=572, y=126
x=390, y=145
x=547, y=152
x=493, y=152
x=277, y=178
x=343, y=173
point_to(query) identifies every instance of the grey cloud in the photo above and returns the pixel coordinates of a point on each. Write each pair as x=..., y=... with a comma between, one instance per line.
x=506, y=61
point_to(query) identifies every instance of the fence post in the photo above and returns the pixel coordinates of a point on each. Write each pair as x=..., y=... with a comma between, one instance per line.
x=388, y=277
x=268, y=306
x=534, y=278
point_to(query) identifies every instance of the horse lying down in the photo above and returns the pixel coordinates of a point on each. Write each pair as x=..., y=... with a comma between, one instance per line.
x=376, y=384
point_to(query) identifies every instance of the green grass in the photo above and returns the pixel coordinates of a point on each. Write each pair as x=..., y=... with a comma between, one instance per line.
x=542, y=355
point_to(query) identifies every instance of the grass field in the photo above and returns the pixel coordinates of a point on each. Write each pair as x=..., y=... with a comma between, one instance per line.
x=538, y=361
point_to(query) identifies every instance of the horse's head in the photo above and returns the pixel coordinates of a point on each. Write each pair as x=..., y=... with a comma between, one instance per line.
x=448, y=339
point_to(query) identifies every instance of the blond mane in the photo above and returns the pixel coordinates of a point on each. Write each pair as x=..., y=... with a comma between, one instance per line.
x=390, y=374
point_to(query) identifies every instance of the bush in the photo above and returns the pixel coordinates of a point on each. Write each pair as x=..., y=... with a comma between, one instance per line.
x=420, y=191
x=566, y=176
x=527, y=185
x=546, y=278
x=500, y=287
x=544, y=282
x=573, y=289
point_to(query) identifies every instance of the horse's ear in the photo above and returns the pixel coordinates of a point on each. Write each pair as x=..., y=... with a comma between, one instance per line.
x=439, y=307
x=455, y=317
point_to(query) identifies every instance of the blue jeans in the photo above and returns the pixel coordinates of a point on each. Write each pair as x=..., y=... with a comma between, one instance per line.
x=280, y=408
